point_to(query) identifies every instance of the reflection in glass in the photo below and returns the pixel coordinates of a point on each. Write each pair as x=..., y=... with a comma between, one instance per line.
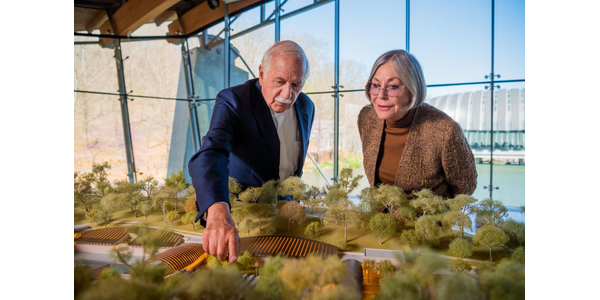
x=99, y=134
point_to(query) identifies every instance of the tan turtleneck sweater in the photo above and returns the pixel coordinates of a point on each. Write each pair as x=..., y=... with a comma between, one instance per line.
x=392, y=146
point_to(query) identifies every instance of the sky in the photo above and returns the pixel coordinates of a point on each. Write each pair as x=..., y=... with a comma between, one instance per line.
x=451, y=39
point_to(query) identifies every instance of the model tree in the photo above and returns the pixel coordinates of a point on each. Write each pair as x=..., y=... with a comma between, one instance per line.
x=341, y=210
x=312, y=229
x=411, y=238
x=382, y=224
x=428, y=228
x=506, y=282
x=461, y=208
x=190, y=203
x=189, y=218
x=428, y=203
x=130, y=194
x=392, y=198
x=461, y=286
x=293, y=212
x=100, y=177
x=490, y=236
x=463, y=203
x=237, y=217
x=312, y=198
x=234, y=189
x=245, y=260
x=270, y=284
x=250, y=195
x=293, y=186
x=386, y=268
x=146, y=208
x=268, y=192
x=83, y=191
x=108, y=205
x=306, y=279
x=417, y=280
x=346, y=181
x=516, y=231
x=460, y=248
x=248, y=226
x=258, y=210
x=177, y=186
x=172, y=216
x=490, y=212
x=457, y=218
x=161, y=199
x=150, y=187
x=519, y=254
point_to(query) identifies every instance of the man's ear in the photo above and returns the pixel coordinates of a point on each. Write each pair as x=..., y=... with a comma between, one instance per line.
x=261, y=75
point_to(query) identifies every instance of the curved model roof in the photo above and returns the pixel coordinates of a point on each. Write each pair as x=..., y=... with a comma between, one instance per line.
x=164, y=238
x=286, y=245
x=106, y=236
x=178, y=258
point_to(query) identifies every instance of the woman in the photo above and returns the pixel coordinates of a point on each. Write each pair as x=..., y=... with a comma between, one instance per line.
x=409, y=143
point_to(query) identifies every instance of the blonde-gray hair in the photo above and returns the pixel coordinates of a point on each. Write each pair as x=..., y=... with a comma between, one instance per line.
x=285, y=48
x=409, y=71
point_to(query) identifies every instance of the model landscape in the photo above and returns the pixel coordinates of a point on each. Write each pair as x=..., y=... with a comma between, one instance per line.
x=434, y=259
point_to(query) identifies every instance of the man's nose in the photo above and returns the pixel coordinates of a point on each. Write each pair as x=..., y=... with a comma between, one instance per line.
x=286, y=91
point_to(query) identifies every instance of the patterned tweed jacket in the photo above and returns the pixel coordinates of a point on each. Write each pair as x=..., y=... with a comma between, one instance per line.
x=436, y=155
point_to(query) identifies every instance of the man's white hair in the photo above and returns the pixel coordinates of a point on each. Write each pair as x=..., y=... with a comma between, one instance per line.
x=285, y=48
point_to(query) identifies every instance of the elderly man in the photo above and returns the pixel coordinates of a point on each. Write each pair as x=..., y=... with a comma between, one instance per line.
x=259, y=131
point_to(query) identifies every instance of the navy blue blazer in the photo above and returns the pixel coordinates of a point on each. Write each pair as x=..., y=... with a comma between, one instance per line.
x=242, y=142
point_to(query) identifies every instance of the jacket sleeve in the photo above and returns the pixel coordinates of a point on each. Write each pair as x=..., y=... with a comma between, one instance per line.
x=458, y=162
x=209, y=166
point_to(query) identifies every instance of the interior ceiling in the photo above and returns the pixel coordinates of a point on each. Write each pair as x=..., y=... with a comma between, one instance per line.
x=122, y=17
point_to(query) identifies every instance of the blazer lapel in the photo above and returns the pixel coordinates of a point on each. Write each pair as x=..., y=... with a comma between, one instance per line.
x=303, y=132
x=263, y=118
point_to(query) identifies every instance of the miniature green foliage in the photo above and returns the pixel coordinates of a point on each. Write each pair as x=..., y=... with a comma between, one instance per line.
x=516, y=232
x=382, y=224
x=490, y=236
x=312, y=229
x=506, y=282
x=189, y=218
x=176, y=184
x=459, y=219
x=258, y=210
x=250, y=195
x=234, y=189
x=293, y=186
x=248, y=226
x=172, y=216
x=490, y=212
x=428, y=203
x=428, y=228
x=519, y=254
x=460, y=248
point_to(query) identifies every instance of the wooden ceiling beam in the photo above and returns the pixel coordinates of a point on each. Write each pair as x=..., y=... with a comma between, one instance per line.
x=98, y=21
x=132, y=15
x=165, y=16
x=202, y=15
x=136, y=13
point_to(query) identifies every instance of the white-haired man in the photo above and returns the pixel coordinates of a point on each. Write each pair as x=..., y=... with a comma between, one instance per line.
x=259, y=131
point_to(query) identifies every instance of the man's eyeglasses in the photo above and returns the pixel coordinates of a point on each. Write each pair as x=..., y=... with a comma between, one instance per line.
x=391, y=90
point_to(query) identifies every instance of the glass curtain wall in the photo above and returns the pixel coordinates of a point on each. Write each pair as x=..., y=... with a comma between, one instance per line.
x=452, y=40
